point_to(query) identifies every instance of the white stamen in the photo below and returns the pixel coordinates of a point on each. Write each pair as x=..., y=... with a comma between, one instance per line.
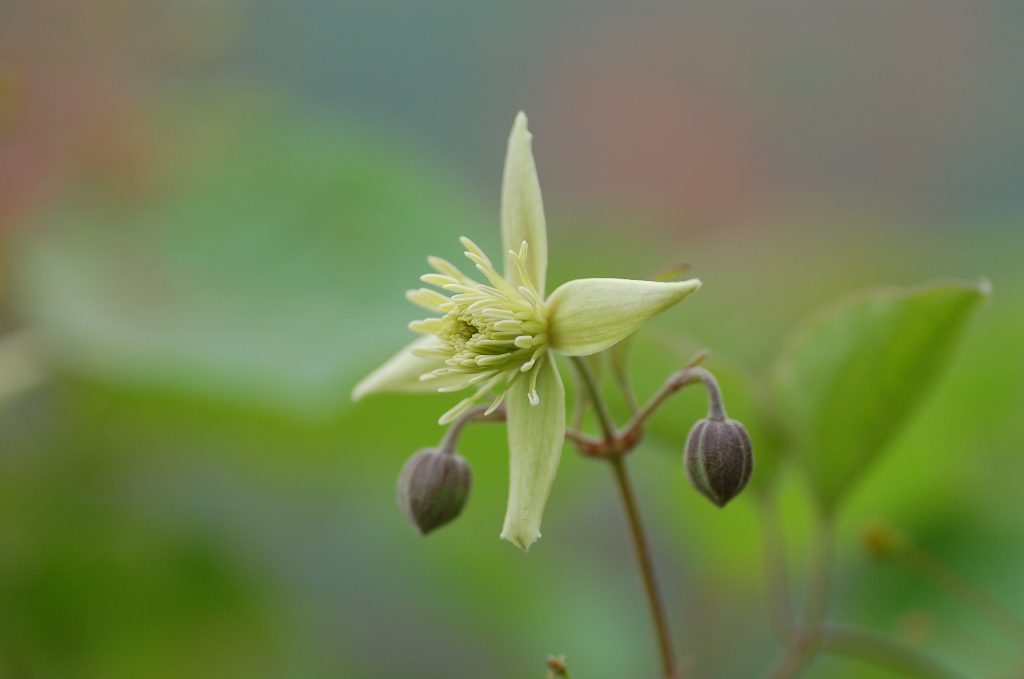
x=497, y=402
x=443, y=266
x=430, y=326
x=509, y=325
x=490, y=334
x=524, y=341
x=491, y=360
x=437, y=279
x=476, y=379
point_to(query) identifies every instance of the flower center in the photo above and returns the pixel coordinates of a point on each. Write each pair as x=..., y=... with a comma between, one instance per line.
x=488, y=333
x=462, y=332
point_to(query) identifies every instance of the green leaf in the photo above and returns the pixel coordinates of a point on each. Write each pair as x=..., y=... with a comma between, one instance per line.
x=263, y=264
x=852, y=377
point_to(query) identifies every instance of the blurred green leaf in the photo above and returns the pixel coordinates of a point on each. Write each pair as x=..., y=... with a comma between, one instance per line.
x=850, y=379
x=260, y=260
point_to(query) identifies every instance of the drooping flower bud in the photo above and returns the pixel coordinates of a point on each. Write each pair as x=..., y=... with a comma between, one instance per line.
x=719, y=459
x=433, y=488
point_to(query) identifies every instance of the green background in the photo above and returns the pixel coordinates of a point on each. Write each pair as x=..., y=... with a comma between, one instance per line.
x=210, y=213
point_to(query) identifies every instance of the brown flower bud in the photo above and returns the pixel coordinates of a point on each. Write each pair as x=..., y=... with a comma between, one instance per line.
x=433, y=488
x=719, y=459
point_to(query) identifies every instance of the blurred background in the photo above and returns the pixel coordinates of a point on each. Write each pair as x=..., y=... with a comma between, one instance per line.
x=210, y=210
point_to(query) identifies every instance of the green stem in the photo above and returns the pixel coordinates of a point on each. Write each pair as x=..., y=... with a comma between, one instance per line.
x=804, y=641
x=620, y=370
x=964, y=591
x=615, y=447
x=579, y=410
x=643, y=553
x=799, y=653
x=582, y=440
x=776, y=572
x=821, y=573
x=604, y=418
x=883, y=651
x=451, y=437
x=687, y=376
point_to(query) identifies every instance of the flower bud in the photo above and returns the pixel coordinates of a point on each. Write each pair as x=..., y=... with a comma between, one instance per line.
x=433, y=488
x=719, y=459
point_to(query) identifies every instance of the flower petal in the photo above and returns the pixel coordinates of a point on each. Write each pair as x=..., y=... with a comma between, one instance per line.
x=522, y=210
x=591, y=314
x=535, y=437
x=401, y=373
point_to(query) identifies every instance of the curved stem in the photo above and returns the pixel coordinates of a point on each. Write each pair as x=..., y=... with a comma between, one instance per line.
x=613, y=448
x=776, y=574
x=620, y=371
x=884, y=651
x=582, y=440
x=820, y=576
x=686, y=376
x=799, y=653
x=643, y=553
x=451, y=437
x=604, y=418
x=966, y=592
x=582, y=399
x=804, y=640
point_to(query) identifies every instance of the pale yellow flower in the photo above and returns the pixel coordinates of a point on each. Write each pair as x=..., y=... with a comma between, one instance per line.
x=497, y=337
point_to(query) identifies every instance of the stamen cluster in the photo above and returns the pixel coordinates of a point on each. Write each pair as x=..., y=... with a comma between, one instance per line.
x=488, y=333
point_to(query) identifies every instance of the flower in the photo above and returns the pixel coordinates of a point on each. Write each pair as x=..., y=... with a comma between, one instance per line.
x=499, y=336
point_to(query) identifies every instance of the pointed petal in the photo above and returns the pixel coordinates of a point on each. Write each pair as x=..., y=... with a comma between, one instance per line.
x=522, y=210
x=535, y=437
x=591, y=314
x=401, y=373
